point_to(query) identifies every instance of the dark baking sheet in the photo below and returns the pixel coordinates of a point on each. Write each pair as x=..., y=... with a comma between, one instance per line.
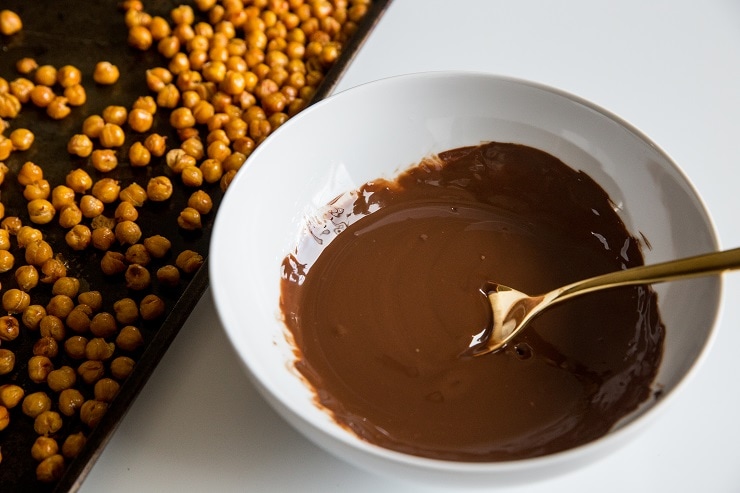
x=81, y=33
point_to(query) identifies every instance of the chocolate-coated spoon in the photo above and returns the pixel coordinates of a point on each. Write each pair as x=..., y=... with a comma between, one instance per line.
x=513, y=310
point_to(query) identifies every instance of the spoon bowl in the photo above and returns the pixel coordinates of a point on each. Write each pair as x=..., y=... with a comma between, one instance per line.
x=513, y=310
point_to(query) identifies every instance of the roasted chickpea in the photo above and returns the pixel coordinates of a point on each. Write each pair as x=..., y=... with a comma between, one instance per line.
x=4, y=239
x=112, y=263
x=126, y=311
x=106, y=190
x=134, y=194
x=11, y=395
x=127, y=232
x=104, y=160
x=140, y=37
x=10, y=106
x=93, y=299
x=52, y=326
x=60, y=305
x=157, y=78
x=168, y=96
x=125, y=211
x=106, y=389
x=138, y=254
x=38, y=252
x=70, y=401
x=80, y=145
x=92, y=370
x=7, y=260
x=106, y=73
x=103, y=325
x=10, y=22
x=91, y=206
x=112, y=135
x=26, y=65
x=78, y=321
x=159, y=189
x=27, y=277
x=178, y=159
x=39, y=368
x=9, y=327
x=103, y=239
x=57, y=108
x=32, y=316
x=46, y=346
x=52, y=269
x=73, y=444
x=37, y=190
x=168, y=275
x=12, y=224
x=92, y=126
x=35, y=404
x=70, y=216
x=4, y=418
x=76, y=95
x=151, y=307
x=29, y=173
x=46, y=75
x=115, y=114
x=146, y=103
x=7, y=361
x=43, y=448
x=158, y=246
x=139, y=155
x=137, y=277
x=50, y=469
x=67, y=286
x=140, y=120
x=79, y=237
x=92, y=412
x=200, y=201
x=15, y=301
x=189, y=219
x=62, y=196
x=61, y=379
x=98, y=349
x=156, y=144
x=69, y=75
x=192, y=176
x=79, y=181
x=22, y=139
x=47, y=423
x=121, y=367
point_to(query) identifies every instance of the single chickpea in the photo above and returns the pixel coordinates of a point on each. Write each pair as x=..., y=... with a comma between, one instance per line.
x=26, y=65
x=22, y=139
x=168, y=275
x=80, y=145
x=91, y=206
x=61, y=379
x=79, y=237
x=92, y=126
x=140, y=37
x=50, y=470
x=10, y=105
x=11, y=395
x=140, y=120
x=7, y=361
x=76, y=95
x=234, y=162
x=39, y=368
x=103, y=239
x=27, y=277
x=93, y=299
x=67, y=286
x=70, y=401
x=112, y=263
x=21, y=88
x=4, y=418
x=127, y=232
x=157, y=78
x=139, y=155
x=192, y=177
x=41, y=96
x=168, y=96
x=69, y=75
x=7, y=260
x=4, y=239
x=115, y=114
x=46, y=346
x=38, y=252
x=125, y=211
x=78, y=321
x=98, y=349
x=9, y=327
x=159, y=189
x=70, y=216
x=151, y=307
x=158, y=246
x=106, y=190
x=156, y=144
x=29, y=173
x=126, y=311
x=200, y=201
x=106, y=389
x=138, y=254
x=78, y=180
x=52, y=326
x=189, y=219
x=47, y=423
x=52, y=269
x=15, y=301
x=137, y=277
x=133, y=194
x=32, y=316
x=159, y=27
x=129, y=338
x=103, y=325
x=92, y=412
x=12, y=224
x=178, y=159
x=61, y=196
x=57, y=108
x=146, y=103
x=106, y=73
x=73, y=444
x=189, y=261
x=121, y=367
x=112, y=135
x=92, y=370
x=104, y=160
x=46, y=75
x=37, y=190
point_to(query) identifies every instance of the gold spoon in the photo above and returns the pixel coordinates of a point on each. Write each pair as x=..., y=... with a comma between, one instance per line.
x=513, y=310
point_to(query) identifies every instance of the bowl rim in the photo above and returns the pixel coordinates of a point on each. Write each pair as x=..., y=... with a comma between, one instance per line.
x=346, y=437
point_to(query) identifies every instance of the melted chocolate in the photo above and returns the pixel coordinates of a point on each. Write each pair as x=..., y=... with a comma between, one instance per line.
x=385, y=292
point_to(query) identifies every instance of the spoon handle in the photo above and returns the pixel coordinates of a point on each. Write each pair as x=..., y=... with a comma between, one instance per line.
x=696, y=266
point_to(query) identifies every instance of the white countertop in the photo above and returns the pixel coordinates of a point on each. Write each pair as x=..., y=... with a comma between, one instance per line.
x=671, y=68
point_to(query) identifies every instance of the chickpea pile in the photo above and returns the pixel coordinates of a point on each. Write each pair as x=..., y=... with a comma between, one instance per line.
x=232, y=72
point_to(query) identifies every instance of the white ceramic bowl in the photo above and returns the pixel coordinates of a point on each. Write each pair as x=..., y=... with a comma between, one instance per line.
x=380, y=128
